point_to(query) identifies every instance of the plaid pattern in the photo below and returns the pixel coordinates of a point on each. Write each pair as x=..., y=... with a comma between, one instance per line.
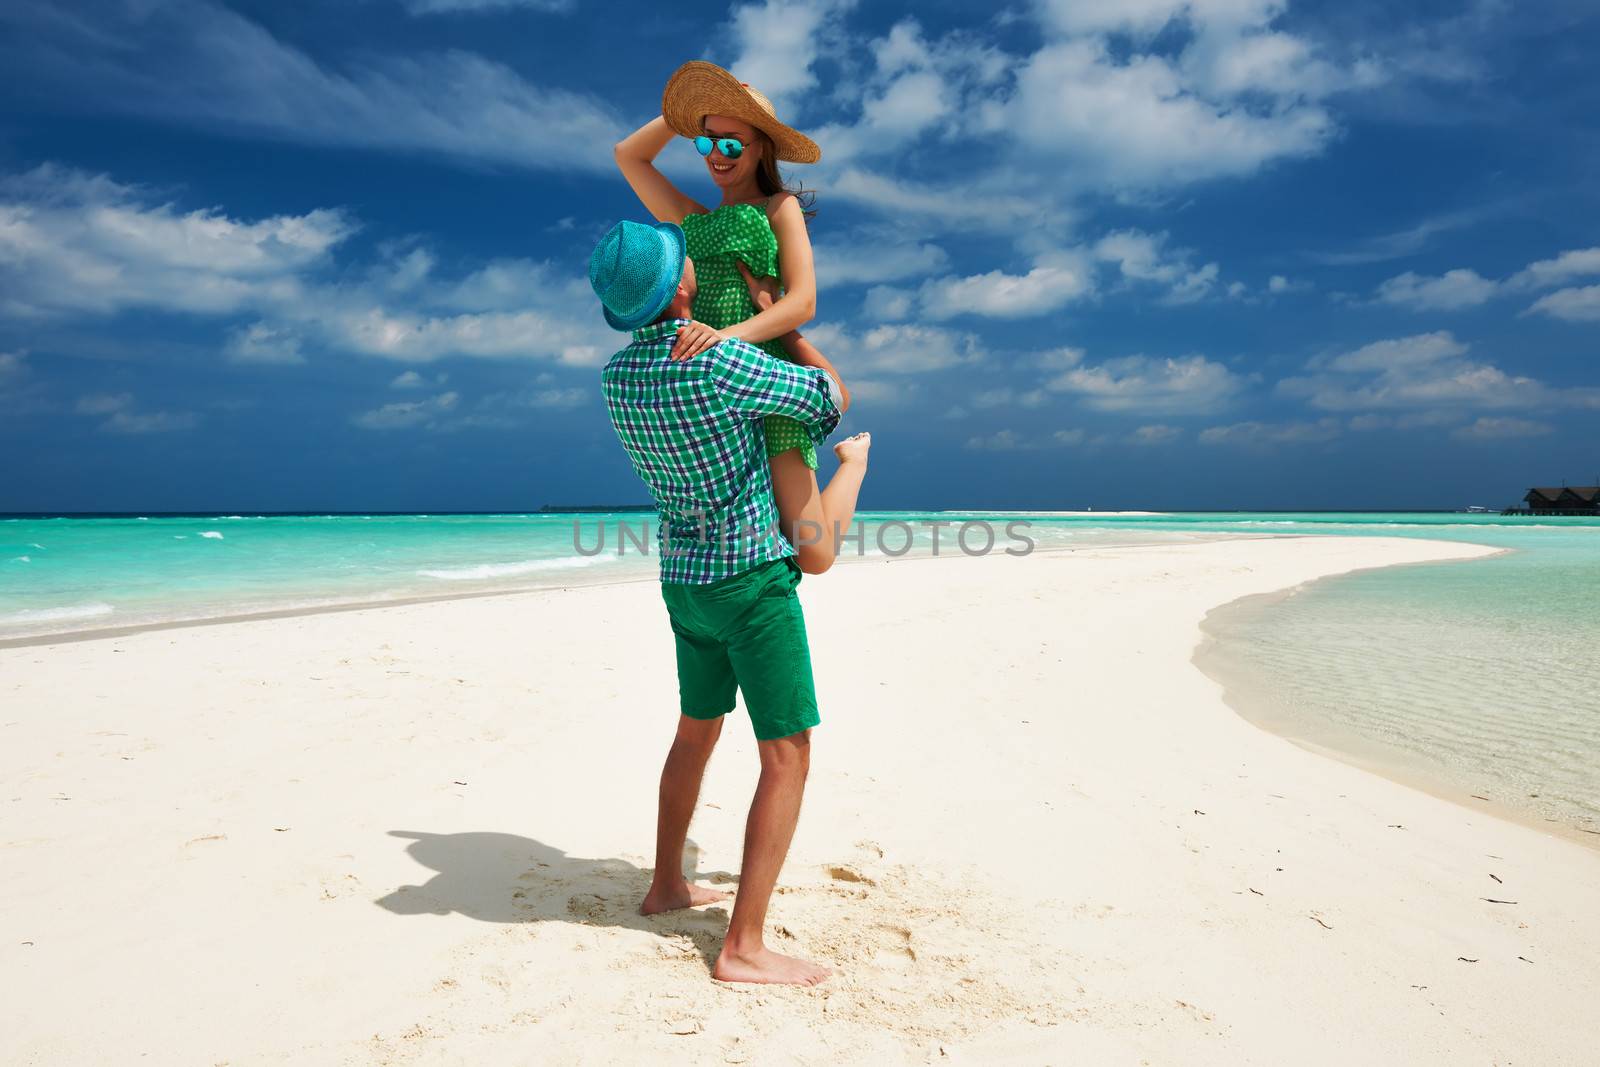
x=717, y=242
x=693, y=431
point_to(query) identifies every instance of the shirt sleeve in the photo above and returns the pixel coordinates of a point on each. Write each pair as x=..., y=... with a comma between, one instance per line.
x=754, y=384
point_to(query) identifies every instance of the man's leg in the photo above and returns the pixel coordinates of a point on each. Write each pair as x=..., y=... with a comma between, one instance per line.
x=773, y=815
x=680, y=789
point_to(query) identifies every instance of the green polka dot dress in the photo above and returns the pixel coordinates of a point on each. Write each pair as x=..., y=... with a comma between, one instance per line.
x=717, y=242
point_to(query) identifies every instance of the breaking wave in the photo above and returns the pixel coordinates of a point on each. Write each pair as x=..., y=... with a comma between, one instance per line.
x=508, y=570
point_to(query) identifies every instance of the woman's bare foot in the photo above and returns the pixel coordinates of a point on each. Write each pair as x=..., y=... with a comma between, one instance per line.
x=766, y=967
x=853, y=449
x=682, y=895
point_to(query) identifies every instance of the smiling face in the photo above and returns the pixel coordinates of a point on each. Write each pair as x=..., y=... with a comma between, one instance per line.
x=733, y=173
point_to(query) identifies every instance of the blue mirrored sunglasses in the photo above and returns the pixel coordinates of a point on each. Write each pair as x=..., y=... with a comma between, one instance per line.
x=730, y=147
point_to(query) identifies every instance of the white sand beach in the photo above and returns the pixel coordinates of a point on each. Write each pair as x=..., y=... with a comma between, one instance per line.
x=1034, y=833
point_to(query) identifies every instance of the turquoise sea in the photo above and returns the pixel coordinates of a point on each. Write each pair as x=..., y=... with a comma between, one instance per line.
x=1472, y=678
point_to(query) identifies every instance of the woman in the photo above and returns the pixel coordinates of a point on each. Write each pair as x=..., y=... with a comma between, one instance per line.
x=757, y=232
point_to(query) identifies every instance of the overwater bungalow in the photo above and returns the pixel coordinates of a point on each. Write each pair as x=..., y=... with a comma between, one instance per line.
x=1561, y=500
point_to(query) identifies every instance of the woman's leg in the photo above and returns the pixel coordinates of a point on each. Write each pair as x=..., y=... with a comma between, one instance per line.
x=816, y=520
x=813, y=520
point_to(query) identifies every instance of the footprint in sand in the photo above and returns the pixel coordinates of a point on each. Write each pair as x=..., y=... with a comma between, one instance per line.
x=843, y=872
x=587, y=906
x=894, y=948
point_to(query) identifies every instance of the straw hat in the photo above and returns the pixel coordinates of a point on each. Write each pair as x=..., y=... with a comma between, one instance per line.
x=698, y=89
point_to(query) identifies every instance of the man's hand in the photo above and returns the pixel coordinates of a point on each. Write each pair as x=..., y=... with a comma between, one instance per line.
x=763, y=291
x=694, y=339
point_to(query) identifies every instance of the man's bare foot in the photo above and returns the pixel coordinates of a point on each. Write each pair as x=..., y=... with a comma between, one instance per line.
x=767, y=967
x=682, y=895
x=853, y=449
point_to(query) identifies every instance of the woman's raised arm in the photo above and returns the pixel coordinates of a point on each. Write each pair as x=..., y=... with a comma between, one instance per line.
x=636, y=155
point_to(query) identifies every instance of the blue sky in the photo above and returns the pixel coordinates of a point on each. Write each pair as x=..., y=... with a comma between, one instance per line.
x=1143, y=253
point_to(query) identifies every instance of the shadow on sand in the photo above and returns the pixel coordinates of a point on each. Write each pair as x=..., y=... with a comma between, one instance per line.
x=504, y=878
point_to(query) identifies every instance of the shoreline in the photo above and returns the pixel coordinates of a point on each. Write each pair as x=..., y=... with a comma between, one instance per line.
x=650, y=574
x=1246, y=694
x=1034, y=832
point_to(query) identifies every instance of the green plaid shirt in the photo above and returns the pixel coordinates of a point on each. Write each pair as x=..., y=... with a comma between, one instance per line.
x=693, y=432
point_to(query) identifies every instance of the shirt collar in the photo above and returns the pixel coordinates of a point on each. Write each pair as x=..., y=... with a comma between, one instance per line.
x=657, y=330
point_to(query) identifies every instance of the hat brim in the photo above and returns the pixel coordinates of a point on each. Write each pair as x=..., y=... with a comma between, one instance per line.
x=665, y=289
x=698, y=89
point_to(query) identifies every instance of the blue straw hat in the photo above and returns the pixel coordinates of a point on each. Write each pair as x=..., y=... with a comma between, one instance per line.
x=635, y=270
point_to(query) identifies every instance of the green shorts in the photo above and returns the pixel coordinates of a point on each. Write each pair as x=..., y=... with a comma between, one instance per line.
x=745, y=633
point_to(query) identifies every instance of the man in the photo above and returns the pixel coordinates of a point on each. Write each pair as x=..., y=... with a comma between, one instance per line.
x=693, y=431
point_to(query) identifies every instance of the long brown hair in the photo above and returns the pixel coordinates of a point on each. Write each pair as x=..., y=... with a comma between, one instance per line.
x=770, y=180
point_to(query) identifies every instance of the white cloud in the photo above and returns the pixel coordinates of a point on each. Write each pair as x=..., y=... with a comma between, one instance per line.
x=1055, y=280
x=1268, y=434
x=1006, y=396
x=1156, y=434
x=407, y=414
x=261, y=343
x=407, y=380
x=875, y=255
x=1418, y=350
x=1422, y=371
x=79, y=242
x=558, y=398
x=1405, y=242
x=123, y=418
x=886, y=302
x=1500, y=428
x=1139, y=121
x=1462, y=288
x=17, y=393
x=135, y=422
x=999, y=441
x=894, y=348
x=73, y=242
x=776, y=42
x=1148, y=385
x=198, y=62
x=883, y=393
x=1576, y=263
x=1453, y=290
x=1408, y=421
x=1194, y=286
x=987, y=203
x=916, y=89
x=421, y=337
x=1008, y=440
x=103, y=403
x=1574, y=305
x=1144, y=257
x=893, y=115
x=1099, y=16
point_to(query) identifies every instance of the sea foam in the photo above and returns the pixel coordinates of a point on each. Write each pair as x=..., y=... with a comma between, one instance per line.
x=508, y=570
x=215, y=535
x=61, y=614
